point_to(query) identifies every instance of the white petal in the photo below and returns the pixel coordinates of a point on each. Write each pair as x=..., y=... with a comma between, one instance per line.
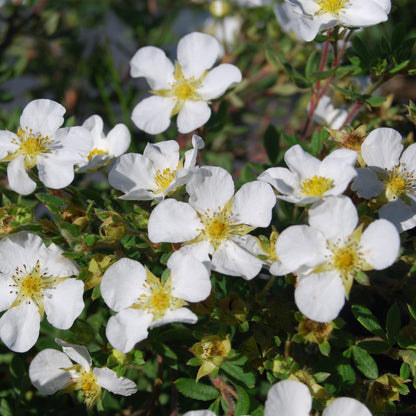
x=45, y=371
x=127, y=328
x=190, y=277
x=380, y=244
x=197, y=52
x=218, y=80
x=119, y=138
x=400, y=214
x=122, y=283
x=300, y=245
x=335, y=216
x=382, y=148
x=199, y=413
x=285, y=181
x=153, y=64
x=163, y=155
x=191, y=155
x=19, y=180
x=7, y=296
x=288, y=398
x=233, y=260
x=253, y=204
x=95, y=125
x=152, y=114
x=55, y=174
x=19, y=327
x=54, y=263
x=363, y=13
x=178, y=315
x=77, y=353
x=108, y=379
x=42, y=116
x=366, y=183
x=210, y=188
x=6, y=144
x=64, y=303
x=194, y=114
x=173, y=222
x=346, y=406
x=320, y=296
x=301, y=163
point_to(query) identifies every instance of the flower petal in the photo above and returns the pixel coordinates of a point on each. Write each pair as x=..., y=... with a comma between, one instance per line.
x=119, y=139
x=194, y=114
x=320, y=296
x=178, y=315
x=253, y=204
x=152, y=114
x=366, y=183
x=301, y=163
x=153, y=64
x=42, y=117
x=288, y=398
x=122, y=283
x=173, y=222
x=19, y=180
x=8, y=143
x=218, y=80
x=19, y=327
x=77, y=353
x=191, y=155
x=108, y=379
x=45, y=371
x=400, y=214
x=64, y=303
x=364, y=13
x=127, y=328
x=197, y=52
x=346, y=406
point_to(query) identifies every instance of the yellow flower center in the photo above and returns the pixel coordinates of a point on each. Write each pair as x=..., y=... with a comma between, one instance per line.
x=164, y=179
x=184, y=90
x=158, y=299
x=95, y=152
x=316, y=186
x=331, y=6
x=345, y=259
x=399, y=182
x=87, y=382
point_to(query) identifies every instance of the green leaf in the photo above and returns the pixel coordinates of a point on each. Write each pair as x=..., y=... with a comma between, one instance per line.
x=48, y=199
x=5, y=409
x=325, y=348
x=393, y=323
x=199, y=391
x=366, y=318
x=375, y=101
x=237, y=373
x=312, y=65
x=404, y=371
x=242, y=406
x=365, y=362
x=374, y=347
x=271, y=143
x=412, y=311
x=346, y=373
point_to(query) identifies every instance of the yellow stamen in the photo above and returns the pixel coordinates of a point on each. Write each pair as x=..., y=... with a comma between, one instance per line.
x=316, y=186
x=164, y=179
x=95, y=152
x=331, y=6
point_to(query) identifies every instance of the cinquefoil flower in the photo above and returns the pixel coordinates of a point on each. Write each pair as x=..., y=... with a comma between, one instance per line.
x=390, y=176
x=142, y=300
x=292, y=398
x=215, y=220
x=34, y=279
x=184, y=88
x=52, y=370
x=330, y=252
x=156, y=173
x=317, y=15
x=105, y=148
x=40, y=142
x=308, y=179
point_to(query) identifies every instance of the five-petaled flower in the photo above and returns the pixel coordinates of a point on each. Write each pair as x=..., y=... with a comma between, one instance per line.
x=184, y=88
x=40, y=142
x=34, y=279
x=215, y=221
x=52, y=370
x=142, y=300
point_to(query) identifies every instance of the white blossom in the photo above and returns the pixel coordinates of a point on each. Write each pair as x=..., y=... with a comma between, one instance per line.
x=327, y=115
x=35, y=279
x=215, y=220
x=52, y=370
x=40, y=142
x=184, y=88
x=156, y=173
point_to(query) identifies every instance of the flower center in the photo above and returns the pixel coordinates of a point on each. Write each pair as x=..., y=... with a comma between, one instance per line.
x=164, y=179
x=158, y=299
x=316, y=186
x=184, y=90
x=346, y=258
x=399, y=182
x=87, y=382
x=95, y=152
x=331, y=6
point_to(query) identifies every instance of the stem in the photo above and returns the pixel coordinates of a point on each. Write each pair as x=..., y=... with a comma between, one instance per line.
x=225, y=389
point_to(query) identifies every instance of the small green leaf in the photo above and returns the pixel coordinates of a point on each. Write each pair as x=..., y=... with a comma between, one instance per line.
x=404, y=371
x=5, y=409
x=325, y=348
x=366, y=318
x=199, y=391
x=237, y=372
x=375, y=101
x=412, y=311
x=374, y=347
x=365, y=362
x=393, y=323
x=51, y=199
x=242, y=406
x=346, y=373
x=271, y=143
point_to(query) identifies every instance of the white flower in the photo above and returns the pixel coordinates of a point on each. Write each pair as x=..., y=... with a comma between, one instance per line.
x=40, y=142
x=333, y=249
x=105, y=148
x=327, y=115
x=35, y=279
x=288, y=19
x=215, y=220
x=200, y=413
x=292, y=398
x=308, y=179
x=52, y=370
x=156, y=173
x=184, y=88
x=141, y=300
x=390, y=176
x=317, y=15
